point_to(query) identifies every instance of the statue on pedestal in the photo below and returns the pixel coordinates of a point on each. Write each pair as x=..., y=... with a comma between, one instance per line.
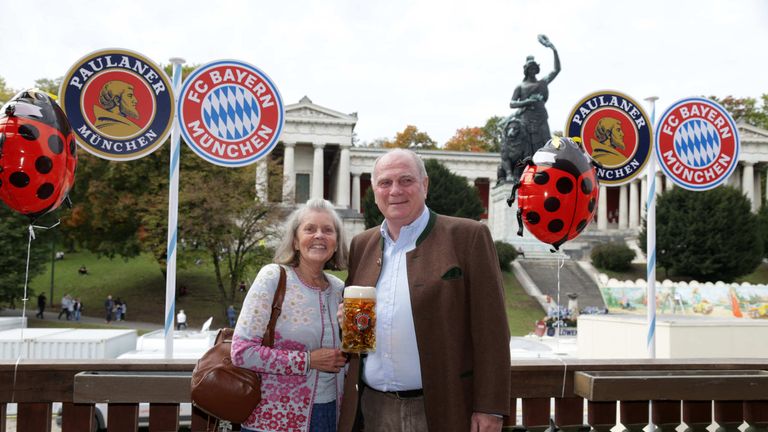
x=526, y=130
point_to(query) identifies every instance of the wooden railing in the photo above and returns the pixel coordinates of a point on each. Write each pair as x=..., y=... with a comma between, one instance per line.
x=575, y=395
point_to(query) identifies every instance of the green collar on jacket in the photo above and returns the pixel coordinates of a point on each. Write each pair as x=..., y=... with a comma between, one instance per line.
x=424, y=234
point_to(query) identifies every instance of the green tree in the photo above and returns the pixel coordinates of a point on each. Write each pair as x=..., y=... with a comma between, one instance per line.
x=493, y=133
x=708, y=236
x=411, y=138
x=448, y=194
x=6, y=93
x=49, y=85
x=223, y=219
x=746, y=109
x=13, y=255
x=762, y=220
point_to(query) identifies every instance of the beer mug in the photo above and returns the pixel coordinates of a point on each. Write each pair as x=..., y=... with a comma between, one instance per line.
x=358, y=333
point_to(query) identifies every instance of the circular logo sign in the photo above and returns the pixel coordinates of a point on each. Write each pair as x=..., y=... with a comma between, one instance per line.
x=362, y=321
x=231, y=113
x=698, y=144
x=120, y=104
x=616, y=133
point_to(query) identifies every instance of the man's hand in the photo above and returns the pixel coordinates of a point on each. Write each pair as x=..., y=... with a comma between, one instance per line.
x=482, y=422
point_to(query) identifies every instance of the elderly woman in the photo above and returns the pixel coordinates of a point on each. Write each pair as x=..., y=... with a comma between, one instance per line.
x=302, y=374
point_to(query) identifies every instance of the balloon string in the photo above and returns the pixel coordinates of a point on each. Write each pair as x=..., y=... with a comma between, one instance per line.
x=24, y=300
x=560, y=264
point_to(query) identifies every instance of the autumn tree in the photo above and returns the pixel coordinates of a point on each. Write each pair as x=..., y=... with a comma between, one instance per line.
x=477, y=139
x=470, y=139
x=411, y=138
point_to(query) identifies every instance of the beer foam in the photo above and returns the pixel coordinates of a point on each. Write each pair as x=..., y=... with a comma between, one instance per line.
x=354, y=291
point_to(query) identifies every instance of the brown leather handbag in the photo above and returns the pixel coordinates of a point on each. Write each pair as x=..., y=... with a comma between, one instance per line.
x=226, y=391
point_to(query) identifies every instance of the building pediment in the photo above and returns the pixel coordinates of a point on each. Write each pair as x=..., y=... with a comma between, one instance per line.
x=749, y=133
x=308, y=112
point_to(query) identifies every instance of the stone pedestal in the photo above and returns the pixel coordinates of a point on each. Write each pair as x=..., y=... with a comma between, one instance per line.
x=504, y=226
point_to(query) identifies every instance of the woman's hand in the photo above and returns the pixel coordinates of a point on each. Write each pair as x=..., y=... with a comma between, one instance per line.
x=327, y=360
x=340, y=315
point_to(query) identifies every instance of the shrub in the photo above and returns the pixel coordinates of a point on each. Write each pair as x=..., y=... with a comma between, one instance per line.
x=706, y=235
x=612, y=256
x=507, y=253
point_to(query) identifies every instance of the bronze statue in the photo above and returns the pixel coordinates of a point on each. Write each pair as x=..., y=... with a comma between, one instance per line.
x=529, y=98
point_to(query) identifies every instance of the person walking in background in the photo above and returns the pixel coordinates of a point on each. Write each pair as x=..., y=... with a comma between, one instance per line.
x=117, y=309
x=231, y=315
x=77, y=309
x=302, y=374
x=442, y=340
x=41, y=306
x=109, y=304
x=66, y=303
x=181, y=320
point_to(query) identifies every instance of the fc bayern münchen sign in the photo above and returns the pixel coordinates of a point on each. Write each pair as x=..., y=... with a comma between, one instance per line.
x=120, y=104
x=231, y=114
x=616, y=132
x=697, y=144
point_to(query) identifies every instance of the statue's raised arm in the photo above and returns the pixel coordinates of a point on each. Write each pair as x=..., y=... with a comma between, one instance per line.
x=544, y=40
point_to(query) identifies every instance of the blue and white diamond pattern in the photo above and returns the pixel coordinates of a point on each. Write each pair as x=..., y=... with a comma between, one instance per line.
x=697, y=143
x=230, y=112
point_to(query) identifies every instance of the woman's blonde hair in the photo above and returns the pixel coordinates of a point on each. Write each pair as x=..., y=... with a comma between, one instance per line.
x=285, y=252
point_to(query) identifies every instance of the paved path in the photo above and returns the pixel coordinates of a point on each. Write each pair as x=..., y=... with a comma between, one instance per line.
x=53, y=316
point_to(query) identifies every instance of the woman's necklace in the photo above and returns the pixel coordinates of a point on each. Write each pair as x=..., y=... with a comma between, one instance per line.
x=320, y=287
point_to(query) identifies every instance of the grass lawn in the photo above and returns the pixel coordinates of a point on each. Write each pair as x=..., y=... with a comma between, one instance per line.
x=140, y=283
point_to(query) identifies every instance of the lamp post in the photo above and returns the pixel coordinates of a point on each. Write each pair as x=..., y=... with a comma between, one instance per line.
x=53, y=266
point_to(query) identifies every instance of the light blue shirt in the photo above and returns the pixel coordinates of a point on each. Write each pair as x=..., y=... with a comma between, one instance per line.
x=395, y=363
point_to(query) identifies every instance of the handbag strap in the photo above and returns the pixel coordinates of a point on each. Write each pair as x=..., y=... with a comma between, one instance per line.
x=277, y=308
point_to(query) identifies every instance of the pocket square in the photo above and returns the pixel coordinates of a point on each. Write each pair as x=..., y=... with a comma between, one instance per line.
x=453, y=273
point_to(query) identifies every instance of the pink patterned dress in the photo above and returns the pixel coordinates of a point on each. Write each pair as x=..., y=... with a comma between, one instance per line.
x=288, y=385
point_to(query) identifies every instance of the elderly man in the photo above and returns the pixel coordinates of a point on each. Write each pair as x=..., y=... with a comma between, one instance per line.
x=442, y=340
x=118, y=104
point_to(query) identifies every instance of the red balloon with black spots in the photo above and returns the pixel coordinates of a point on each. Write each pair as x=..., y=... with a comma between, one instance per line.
x=37, y=154
x=558, y=192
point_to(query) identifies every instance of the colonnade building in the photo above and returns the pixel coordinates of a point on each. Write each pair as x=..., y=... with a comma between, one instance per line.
x=316, y=158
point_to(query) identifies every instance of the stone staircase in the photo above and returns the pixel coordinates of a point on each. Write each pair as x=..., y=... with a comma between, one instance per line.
x=540, y=279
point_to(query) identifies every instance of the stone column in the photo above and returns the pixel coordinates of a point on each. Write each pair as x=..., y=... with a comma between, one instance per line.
x=634, y=205
x=623, y=207
x=317, y=172
x=659, y=184
x=602, y=209
x=748, y=183
x=342, y=177
x=356, y=191
x=261, y=179
x=289, y=173
x=643, y=195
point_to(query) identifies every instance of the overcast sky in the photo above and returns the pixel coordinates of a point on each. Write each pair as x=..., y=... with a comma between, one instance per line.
x=439, y=65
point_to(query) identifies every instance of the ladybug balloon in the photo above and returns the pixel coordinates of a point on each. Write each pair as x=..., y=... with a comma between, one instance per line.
x=37, y=154
x=558, y=191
